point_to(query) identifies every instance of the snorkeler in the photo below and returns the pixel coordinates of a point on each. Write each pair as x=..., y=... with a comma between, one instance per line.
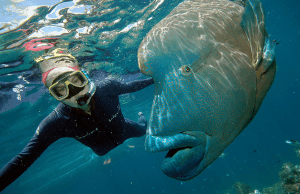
x=90, y=114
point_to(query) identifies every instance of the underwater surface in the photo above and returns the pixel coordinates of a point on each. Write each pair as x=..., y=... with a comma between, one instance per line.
x=105, y=36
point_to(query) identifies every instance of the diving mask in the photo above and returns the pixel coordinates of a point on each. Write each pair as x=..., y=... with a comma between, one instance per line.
x=76, y=81
x=72, y=84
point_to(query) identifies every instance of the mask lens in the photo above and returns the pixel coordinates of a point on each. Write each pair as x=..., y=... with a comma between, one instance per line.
x=78, y=79
x=60, y=90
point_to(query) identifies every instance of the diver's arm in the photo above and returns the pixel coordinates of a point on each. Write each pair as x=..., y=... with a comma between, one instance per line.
x=43, y=137
x=19, y=164
x=128, y=87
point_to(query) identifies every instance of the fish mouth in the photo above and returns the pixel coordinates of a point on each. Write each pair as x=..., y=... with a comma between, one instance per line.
x=182, y=163
x=185, y=153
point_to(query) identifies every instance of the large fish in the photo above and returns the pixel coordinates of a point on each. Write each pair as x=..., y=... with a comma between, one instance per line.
x=212, y=62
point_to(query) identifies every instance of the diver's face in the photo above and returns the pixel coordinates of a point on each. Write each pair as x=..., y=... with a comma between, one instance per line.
x=72, y=93
x=57, y=81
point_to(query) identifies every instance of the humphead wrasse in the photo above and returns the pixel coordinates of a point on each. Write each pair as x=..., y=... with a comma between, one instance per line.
x=212, y=62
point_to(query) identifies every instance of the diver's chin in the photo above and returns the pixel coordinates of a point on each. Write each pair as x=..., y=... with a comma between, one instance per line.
x=182, y=163
x=70, y=102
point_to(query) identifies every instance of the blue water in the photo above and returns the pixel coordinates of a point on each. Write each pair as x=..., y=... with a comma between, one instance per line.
x=255, y=157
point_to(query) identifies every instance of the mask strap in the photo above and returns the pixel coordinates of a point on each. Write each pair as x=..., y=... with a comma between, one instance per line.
x=44, y=75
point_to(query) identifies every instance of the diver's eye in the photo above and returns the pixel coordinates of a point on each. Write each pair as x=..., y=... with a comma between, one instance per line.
x=75, y=80
x=185, y=70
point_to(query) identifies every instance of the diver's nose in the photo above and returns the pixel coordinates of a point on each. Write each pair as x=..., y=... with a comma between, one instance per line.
x=73, y=90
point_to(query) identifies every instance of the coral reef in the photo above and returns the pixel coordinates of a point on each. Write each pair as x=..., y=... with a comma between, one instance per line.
x=242, y=188
x=289, y=184
x=290, y=181
x=298, y=153
x=276, y=189
x=297, y=149
x=290, y=175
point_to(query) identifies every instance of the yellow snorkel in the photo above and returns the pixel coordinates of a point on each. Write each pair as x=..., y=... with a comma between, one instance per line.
x=59, y=52
x=46, y=61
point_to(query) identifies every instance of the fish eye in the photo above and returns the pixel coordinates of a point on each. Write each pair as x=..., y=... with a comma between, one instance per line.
x=185, y=70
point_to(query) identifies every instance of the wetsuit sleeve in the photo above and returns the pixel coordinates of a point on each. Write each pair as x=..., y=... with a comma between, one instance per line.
x=128, y=87
x=44, y=136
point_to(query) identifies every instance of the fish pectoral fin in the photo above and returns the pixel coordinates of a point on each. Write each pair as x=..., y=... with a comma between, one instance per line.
x=268, y=57
x=265, y=73
x=253, y=23
x=262, y=49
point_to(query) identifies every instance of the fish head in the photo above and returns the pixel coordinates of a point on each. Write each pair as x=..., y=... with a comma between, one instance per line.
x=204, y=90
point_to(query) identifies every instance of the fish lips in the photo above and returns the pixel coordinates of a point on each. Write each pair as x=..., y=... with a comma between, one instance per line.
x=186, y=151
x=182, y=164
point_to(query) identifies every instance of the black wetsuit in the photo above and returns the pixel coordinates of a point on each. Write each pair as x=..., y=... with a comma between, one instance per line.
x=102, y=131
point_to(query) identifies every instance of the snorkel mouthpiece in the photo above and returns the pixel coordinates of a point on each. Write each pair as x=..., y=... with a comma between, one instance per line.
x=83, y=100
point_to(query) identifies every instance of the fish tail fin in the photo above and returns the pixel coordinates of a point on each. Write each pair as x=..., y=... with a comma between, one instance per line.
x=253, y=23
